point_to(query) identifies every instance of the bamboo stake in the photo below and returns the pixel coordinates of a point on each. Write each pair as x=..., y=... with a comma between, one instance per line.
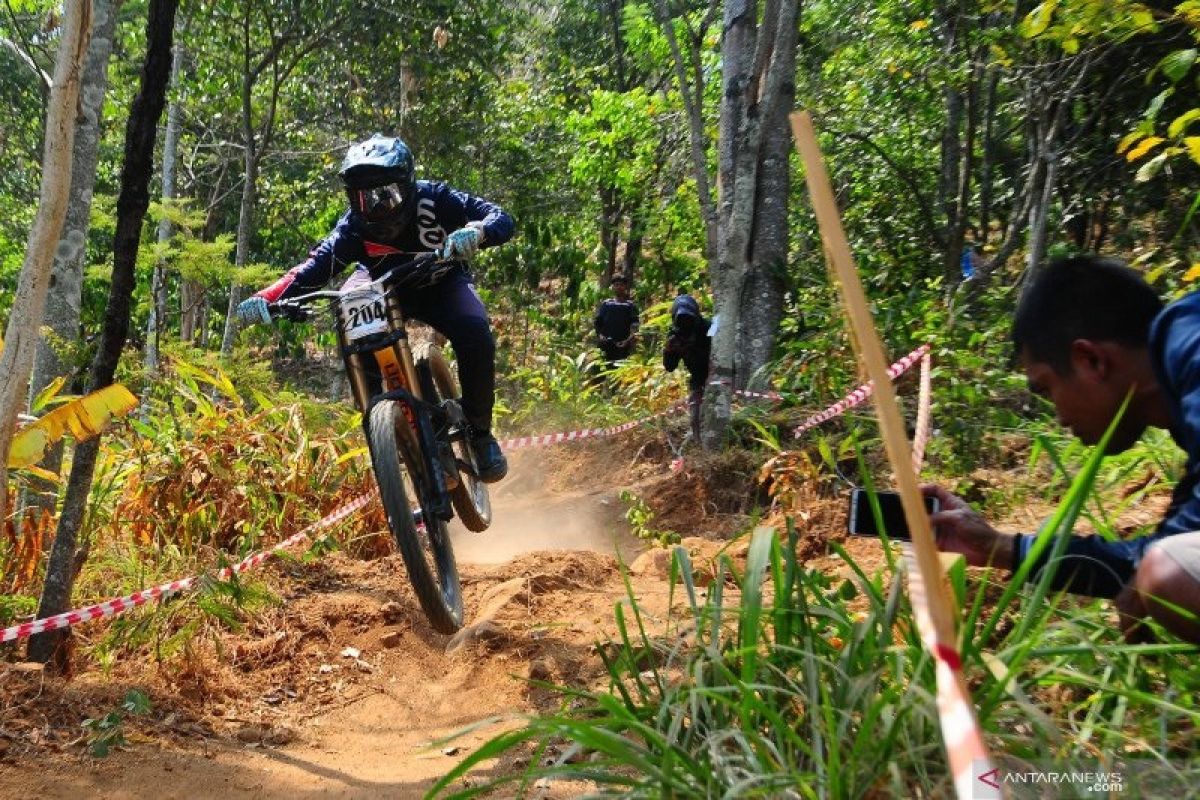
x=964, y=743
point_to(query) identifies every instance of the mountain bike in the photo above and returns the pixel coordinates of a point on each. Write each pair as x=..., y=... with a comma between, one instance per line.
x=415, y=429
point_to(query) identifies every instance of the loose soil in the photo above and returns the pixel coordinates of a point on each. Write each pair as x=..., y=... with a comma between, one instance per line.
x=342, y=690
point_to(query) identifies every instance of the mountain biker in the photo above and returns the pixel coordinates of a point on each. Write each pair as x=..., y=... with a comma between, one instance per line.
x=392, y=218
x=688, y=341
x=617, y=322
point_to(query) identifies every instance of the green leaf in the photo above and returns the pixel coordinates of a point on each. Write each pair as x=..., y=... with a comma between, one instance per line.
x=1180, y=123
x=1151, y=168
x=1038, y=20
x=1177, y=64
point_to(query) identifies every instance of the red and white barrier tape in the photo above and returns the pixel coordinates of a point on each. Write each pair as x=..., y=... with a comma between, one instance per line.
x=119, y=605
x=965, y=749
x=587, y=433
x=963, y=739
x=921, y=435
x=110, y=608
x=860, y=394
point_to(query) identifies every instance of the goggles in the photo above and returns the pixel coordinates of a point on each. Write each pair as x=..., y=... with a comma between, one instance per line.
x=378, y=203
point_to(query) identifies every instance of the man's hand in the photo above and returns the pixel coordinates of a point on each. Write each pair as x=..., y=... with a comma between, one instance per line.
x=464, y=243
x=1131, y=615
x=252, y=311
x=961, y=529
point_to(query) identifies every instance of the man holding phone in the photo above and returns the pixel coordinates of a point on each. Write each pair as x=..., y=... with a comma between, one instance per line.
x=1089, y=331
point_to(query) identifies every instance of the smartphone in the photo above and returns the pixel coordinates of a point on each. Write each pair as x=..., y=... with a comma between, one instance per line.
x=862, y=516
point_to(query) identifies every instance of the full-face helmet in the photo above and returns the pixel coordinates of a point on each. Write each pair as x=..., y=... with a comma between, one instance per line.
x=380, y=184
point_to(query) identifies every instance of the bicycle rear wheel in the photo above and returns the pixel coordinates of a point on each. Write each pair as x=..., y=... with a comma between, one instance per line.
x=470, y=497
x=404, y=487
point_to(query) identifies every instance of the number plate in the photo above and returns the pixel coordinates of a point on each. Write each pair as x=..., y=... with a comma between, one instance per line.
x=363, y=314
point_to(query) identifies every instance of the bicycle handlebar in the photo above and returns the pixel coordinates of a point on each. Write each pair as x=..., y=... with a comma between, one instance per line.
x=296, y=308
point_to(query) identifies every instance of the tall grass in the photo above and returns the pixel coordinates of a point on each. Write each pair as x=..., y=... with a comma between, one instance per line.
x=781, y=681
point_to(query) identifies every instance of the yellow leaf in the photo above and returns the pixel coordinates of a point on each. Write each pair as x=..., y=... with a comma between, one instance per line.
x=44, y=474
x=1180, y=123
x=1146, y=145
x=1127, y=140
x=919, y=25
x=28, y=445
x=84, y=417
x=1193, y=146
x=1193, y=273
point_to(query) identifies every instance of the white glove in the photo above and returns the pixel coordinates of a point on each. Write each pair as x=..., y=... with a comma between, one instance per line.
x=464, y=243
x=252, y=311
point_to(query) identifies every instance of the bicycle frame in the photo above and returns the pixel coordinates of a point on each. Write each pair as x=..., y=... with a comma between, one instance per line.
x=388, y=352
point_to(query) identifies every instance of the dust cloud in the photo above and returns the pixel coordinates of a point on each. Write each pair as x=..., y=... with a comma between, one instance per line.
x=529, y=514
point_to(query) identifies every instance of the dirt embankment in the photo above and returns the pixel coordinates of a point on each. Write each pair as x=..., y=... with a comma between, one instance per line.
x=342, y=690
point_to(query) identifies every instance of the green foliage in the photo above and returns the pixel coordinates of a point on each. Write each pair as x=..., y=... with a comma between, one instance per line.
x=640, y=517
x=16, y=606
x=105, y=733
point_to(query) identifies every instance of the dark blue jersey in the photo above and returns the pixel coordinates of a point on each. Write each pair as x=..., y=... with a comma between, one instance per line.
x=616, y=319
x=440, y=211
x=1095, y=566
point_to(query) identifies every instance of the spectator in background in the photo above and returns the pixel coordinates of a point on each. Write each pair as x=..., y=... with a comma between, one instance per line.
x=687, y=341
x=617, y=323
x=970, y=261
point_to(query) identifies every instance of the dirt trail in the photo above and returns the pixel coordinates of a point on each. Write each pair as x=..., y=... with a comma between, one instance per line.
x=340, y=691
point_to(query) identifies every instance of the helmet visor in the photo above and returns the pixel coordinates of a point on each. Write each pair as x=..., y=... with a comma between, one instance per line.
x=379, y=203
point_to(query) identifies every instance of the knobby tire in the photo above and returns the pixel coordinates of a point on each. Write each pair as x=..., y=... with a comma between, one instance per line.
x=395, y=452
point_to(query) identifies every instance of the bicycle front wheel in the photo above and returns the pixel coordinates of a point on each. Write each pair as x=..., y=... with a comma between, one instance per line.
x=422, y=539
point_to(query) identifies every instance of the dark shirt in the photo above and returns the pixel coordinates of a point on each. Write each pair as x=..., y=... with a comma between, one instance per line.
x=440, y=211
x=616, y=319
x=688, y=341
x=1093, y=565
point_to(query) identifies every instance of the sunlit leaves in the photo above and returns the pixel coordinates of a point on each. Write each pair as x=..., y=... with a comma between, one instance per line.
x=84, y=418
x=1072, y=23
x=1143, y=147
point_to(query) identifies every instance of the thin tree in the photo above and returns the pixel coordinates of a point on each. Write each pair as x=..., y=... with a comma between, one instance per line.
x=29, y=303
x=66, y=280
x=158, y=293
x=132, y=202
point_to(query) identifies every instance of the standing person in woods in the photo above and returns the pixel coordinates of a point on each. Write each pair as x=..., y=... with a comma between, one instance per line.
x=688, y=341
x=392, y=218
x=1090, y=333
x=617, y=323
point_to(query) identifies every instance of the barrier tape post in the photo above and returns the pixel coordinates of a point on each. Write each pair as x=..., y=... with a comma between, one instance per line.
x=960, y=731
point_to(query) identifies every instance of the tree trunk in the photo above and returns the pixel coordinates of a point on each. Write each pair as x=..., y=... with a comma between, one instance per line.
x=158, y=305
x=66, y=278
x=762, y=293
x=988, y=157
x=237, y=293
x=759, y=63
x=132, y=202
x=29, y=302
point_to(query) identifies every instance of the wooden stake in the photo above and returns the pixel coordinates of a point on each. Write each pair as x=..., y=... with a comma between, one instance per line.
x=964, y=744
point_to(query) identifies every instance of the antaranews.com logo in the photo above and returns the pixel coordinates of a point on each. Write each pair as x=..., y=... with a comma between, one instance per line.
x=994, y=783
